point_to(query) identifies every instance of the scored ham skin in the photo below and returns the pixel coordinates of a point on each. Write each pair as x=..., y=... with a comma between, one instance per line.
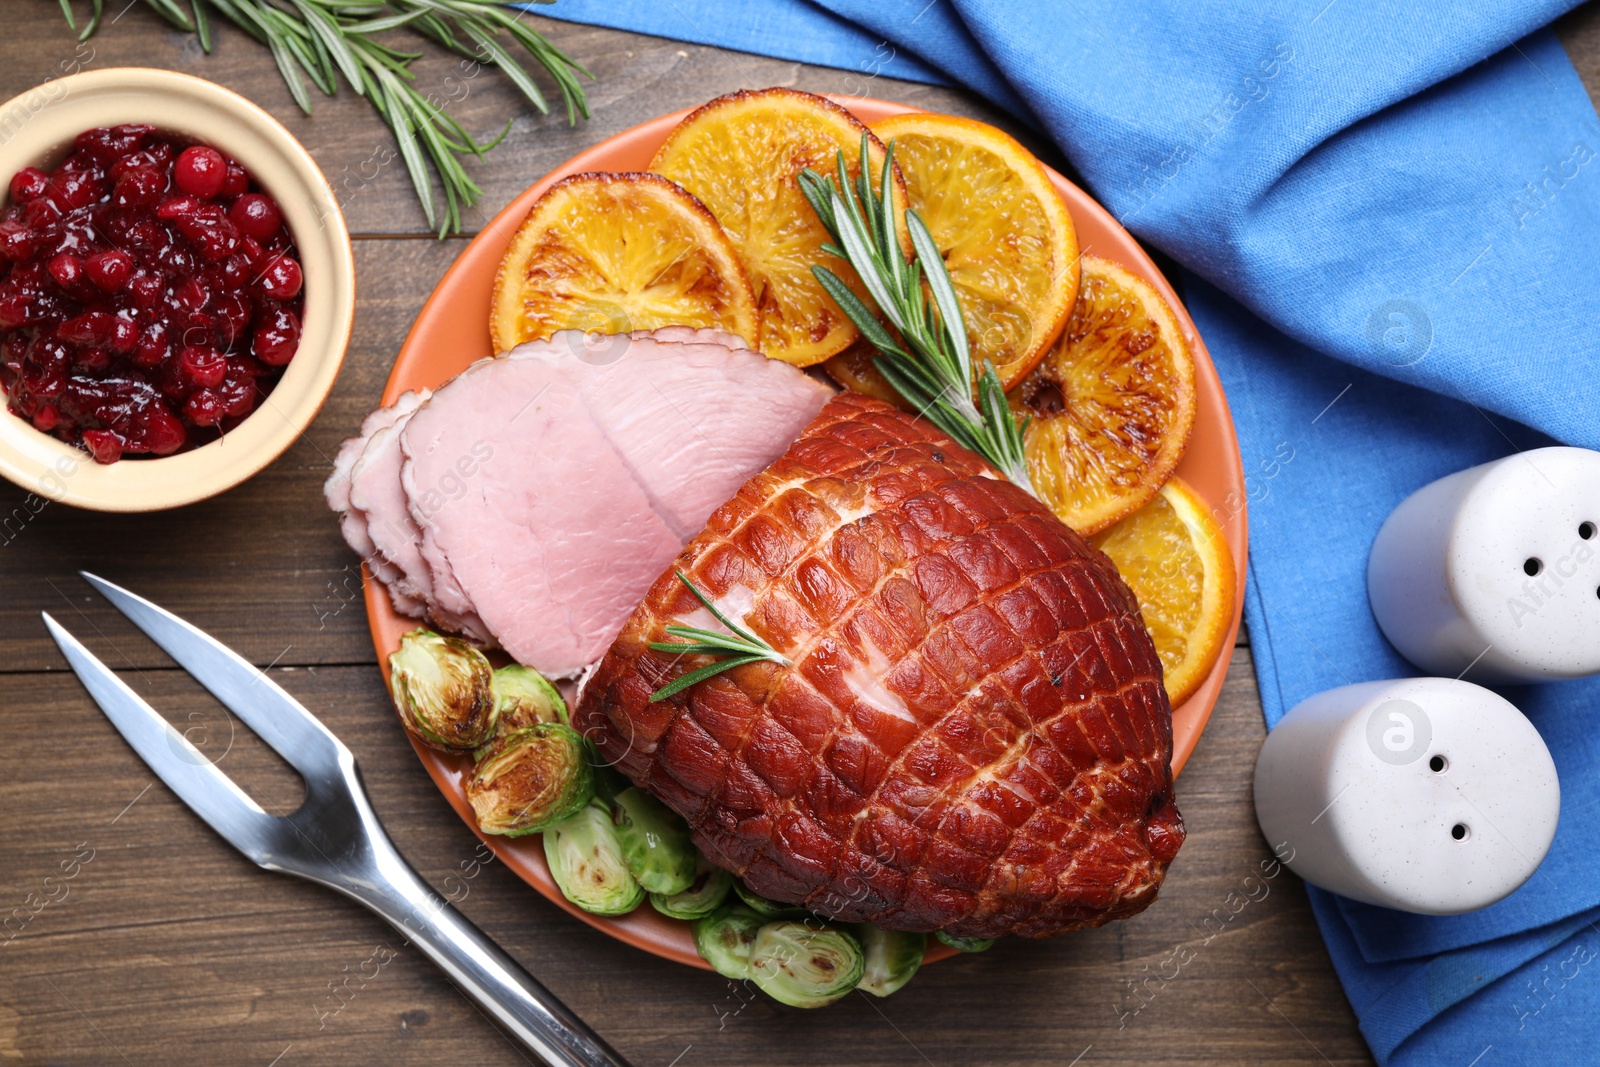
x=974, y=736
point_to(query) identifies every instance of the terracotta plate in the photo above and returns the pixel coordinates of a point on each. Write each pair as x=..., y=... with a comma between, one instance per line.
x=453, y=331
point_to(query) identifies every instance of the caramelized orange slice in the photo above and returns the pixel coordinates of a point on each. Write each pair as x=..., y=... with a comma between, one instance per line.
x=1111, y=404
x=614, y=253
x=1005, y=233
x=1173, y=555
x=741, y=154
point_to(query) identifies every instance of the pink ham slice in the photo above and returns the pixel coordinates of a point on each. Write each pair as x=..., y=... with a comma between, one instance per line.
x=377, y=493
x=353, y=520
x=554, y=483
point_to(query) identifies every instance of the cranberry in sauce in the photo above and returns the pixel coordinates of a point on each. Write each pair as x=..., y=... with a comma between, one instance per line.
x=150, y=294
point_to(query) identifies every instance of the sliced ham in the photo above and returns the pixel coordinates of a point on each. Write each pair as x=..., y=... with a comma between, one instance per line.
x=555, y=482
x=548, y=529
x=376, y=491
x=337, y=488
x=353, y=519
x=532, y=499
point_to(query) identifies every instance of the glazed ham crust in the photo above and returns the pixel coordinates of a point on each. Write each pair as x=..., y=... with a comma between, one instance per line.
x=973, y=737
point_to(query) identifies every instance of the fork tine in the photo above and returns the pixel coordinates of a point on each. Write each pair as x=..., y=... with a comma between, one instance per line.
x=276, y=717
x=211, y=794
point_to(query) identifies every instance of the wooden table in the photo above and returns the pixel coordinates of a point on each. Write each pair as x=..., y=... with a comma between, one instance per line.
x=167, y=947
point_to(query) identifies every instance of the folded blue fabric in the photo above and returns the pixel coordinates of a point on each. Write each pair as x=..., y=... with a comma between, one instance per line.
x=1388, y=216
x=1506, y=994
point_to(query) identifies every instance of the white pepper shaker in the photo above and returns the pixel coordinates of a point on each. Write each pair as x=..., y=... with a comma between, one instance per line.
x=1493, y=573
x=1427, y=795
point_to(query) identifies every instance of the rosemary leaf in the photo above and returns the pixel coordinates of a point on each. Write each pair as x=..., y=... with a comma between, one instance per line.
x=202, y=25
x=331, y=42
x=710, y=670
x=738, y=647
x=509, y=66
x=855, y=310
x=933, y=367
x=94, y=21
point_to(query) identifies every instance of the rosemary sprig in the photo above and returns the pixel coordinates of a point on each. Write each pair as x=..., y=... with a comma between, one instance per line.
x=936, y=374
x=739, y=646
x=329, y=40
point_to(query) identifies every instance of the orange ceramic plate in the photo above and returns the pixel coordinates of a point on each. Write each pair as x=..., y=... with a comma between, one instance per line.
x=453, y=331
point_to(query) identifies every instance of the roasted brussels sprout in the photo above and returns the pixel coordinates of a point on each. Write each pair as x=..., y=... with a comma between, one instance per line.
x=530, y=779
x=805, y=965
x=965, y=944
x=725, y=937
x=655, y=842
x=770, y=908
x=704, y=896
x=442, y=688
x=586, y=861
x=524, y=698
x=892, y=957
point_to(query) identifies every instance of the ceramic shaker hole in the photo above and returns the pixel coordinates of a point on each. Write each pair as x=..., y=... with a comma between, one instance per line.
x=1438, y=764
x=1531, y=566
x=1586, y=530
x=1460, y=832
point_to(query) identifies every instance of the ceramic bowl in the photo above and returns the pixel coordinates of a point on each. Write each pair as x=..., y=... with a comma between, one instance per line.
x=37, y=128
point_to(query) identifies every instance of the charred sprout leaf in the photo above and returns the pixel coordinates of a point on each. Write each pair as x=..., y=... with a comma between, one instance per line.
x=770, y=908
x=805, y=966
x=655, y=842
x=586, y=861
x=530, y=780
x=965, y=944
x=524, y=698
x=892, y=957
x=442, y=690
x=725, y=939
x=710, y=888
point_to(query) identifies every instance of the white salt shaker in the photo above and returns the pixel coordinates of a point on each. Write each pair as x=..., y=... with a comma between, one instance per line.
x=1493, y=573
x=1427, y=795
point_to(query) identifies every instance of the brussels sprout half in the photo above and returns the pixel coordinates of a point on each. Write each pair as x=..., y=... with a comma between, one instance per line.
x=655, y=842
x=586, y=861
x=710, y=888
x=443, y=689
x=965, y=944
x=892, y=957
x=523, y=697
x=530, y=779
x=805, y=965
x=725, y=937
x=770, y=908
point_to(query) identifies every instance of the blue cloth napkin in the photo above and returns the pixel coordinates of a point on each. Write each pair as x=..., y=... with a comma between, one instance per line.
x=1388, y=221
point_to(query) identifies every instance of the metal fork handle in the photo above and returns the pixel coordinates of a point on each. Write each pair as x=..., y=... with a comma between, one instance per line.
x=493, y=980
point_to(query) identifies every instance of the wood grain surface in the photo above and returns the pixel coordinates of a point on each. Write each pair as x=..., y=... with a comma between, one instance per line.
x=136, y=936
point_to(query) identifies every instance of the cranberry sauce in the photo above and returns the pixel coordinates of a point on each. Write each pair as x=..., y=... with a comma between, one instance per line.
x=149, y=294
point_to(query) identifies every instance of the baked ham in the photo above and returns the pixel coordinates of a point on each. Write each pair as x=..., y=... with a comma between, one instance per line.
x=973, y=736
